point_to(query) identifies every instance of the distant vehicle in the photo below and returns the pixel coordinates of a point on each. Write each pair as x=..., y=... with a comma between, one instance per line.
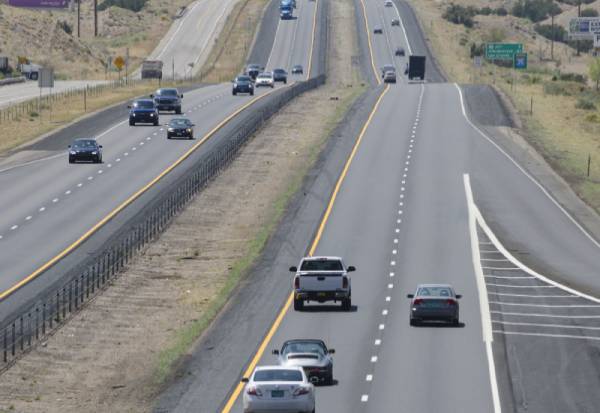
x=389, y=77
x=378, y=30
x=168, y=100
x=85, y=150
x=297, y=70
x=242, y=84
x=416, y=67
x=395, y=22
x=312, y=355
x=280, y=75
x=322, y=279
x=31, y=71
x=253, y=70
x=400, y=51
x=286, y=13
x=152, y=69
x=180, y=128
x=434, y=302
x=387, y=68
x=143, y=111
x=265, y=79
x=388, y=3
x=278, y=389
x=4, y=66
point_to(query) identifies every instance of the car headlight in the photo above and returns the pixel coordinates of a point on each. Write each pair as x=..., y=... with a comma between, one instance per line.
x=133, y=114
x=171, y=130
x=94, y=153
x=73, y=153
x=189, y=130
x=152, y=114
x=235, y=85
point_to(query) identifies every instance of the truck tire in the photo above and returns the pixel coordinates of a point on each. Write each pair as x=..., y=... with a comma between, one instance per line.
x=346, y=304
x=298, y=305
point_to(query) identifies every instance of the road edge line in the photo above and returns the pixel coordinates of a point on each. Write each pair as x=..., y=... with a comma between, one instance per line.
x=275, y=326
x=484, y=306
x=366, y=19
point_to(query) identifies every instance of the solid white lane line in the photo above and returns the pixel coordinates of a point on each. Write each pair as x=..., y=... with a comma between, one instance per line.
x=534, y=296
x=530, y=177
x=547, y=305
x=484, y=308
x=504, y=313
x=495, y=259
x=513, y=333
x=543, y=325
x=508, y=277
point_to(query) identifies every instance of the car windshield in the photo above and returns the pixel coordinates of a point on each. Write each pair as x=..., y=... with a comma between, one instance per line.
x=322, y=265
x=387, y=68
x=243, y=79
x=435, y=292
x=279, y=71
x=179, y=122
x=278, y=375
x=298, y=67
x=144, y=104
x=84, y=144
x=300, y=347
x=264, y=75
x=166, y=92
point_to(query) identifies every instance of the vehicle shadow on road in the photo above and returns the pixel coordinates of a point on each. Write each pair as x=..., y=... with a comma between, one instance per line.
x=335, y=383
x=328, y=309
x=440, y=325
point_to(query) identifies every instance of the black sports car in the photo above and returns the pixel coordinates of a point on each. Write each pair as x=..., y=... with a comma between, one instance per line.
x=242, y=84
x=180, y=128
x=143, y=111
x=85, y=150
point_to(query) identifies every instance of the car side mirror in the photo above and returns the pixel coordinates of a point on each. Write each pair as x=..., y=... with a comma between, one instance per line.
x=128, y=106
x=276, y=352
x=152, y=96
x=351, y=268
x=100, y=146
x=458, y=296
x=181, y=96
x=410, y=296
x=245, y=380
x=69, y=146
x=293, y=269
x=331, y=351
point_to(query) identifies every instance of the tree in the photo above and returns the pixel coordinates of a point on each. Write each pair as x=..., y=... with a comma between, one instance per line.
x=589, y=13
x=594, y=70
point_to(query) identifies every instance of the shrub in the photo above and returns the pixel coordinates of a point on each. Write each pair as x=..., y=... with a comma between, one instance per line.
x=559, y=88
x=589, y=13
x=501, y=11
x=460, y=15
x=535, y=10
x=486, y=11
x=133, y=5
x=546, y=30
x=573, y=77
x=67, y=28
x=592, y=117
x=477, y=49
x=585, y=104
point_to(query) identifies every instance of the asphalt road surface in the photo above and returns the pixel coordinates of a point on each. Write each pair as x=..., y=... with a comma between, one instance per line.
x=18, y=92
x=49, y=204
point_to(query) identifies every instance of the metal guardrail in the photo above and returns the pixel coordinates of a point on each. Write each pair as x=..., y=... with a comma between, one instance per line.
x=24, y=331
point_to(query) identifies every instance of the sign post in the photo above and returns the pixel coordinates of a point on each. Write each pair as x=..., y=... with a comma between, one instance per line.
x=45, y=79
x=119, y=64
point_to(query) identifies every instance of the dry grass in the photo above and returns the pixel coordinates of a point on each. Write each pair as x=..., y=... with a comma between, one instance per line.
x=228, y=55
x=564, y=135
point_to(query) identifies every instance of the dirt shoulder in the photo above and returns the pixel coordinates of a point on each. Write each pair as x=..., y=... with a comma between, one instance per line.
x=113, y=355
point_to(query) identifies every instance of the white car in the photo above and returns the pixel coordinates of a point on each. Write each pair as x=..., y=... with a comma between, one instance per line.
x=265, y=79
x=388, y=3
x=278, y=389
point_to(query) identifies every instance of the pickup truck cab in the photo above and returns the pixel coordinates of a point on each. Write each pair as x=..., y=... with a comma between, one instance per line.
x=322, y=279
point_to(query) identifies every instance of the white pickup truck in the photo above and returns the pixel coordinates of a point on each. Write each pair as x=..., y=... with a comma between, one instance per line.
x=322, y=279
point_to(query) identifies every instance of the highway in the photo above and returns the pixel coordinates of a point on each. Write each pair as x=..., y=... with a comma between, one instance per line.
x=49, y=205
x=19, y=92
x=402, y=214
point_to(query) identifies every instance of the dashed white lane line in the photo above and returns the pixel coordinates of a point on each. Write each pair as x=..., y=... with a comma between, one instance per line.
x=378, y=342
x=381, y=327
x=392, y=274
x=364, y=398
x=388, y=299
x=393, y=263
x=68, y=192
x=100, y=171
x=148, y=138
x=134, y=148
x=1, y=237
x=390, y=286
x=369, y=377
x=396, y=241
x=384, y=312
x=79, y=185
x=141, y=143
x=55, y=200
x=28, y=217
x=42, y=209
x=90, y=178
x=394, y=252
x=109, y=165
x=118, y=160
x=373, y=359
x=14, y=227
x=126, y=154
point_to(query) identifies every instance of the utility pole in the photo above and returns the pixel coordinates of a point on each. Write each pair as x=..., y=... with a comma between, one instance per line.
x=578, y=15
x=552, y=39
x=78, y=18
x=173, y=68
x=95, y=18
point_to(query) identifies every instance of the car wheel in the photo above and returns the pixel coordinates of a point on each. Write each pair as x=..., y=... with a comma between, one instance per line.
x=191, y=137
x=329, y=378
x=413, y=322
x=156, y=122
x=346, y=304
x=233, y=92
x=168, y=136
x=131, y=123
x=285, y=82
x=252, y=93
x=455, y=322
x=178, y=111
x=71, y=160
x=298, y=305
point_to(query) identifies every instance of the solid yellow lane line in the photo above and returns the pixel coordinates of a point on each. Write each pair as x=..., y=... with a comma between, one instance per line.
x=312, y=42
x=132, y=198
x=362, y=2
x=267, y=339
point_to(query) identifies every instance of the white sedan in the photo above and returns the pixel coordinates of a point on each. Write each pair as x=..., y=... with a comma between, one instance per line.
x=278, y=389
x=265, y=79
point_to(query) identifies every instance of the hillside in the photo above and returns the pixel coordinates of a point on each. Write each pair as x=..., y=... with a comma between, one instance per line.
x=40, y=35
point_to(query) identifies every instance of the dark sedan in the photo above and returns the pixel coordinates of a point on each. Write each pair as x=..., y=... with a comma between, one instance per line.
x=168, y=100
x=434, y=302
x=297, y=70
x=143, y=111
x=253, y=70
x=242, y=84
x=312, y=355
x=280, y=75
x=85, y=150
x=180, y=128
x=400, y=51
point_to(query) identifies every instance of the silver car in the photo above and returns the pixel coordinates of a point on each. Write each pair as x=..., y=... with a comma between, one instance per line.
x=434, y=302
x=278, y=389
x=265, y=79
x=312, y=355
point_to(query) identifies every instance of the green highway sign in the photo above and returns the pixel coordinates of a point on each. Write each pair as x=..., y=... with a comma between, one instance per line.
x=502, y=51
x=520, y=61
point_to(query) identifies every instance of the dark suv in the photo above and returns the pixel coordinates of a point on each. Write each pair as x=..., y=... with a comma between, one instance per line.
x=280, y=75
x=85, y=150
x=242, y=84
x=253, y=70
x=168, y=100
x=143, y=111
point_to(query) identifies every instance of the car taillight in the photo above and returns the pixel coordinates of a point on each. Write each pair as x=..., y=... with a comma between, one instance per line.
x=450, y=302
x=301, y=391
x=297, y=282
x=254, y=391
x=418, y=301
x=345, y=282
